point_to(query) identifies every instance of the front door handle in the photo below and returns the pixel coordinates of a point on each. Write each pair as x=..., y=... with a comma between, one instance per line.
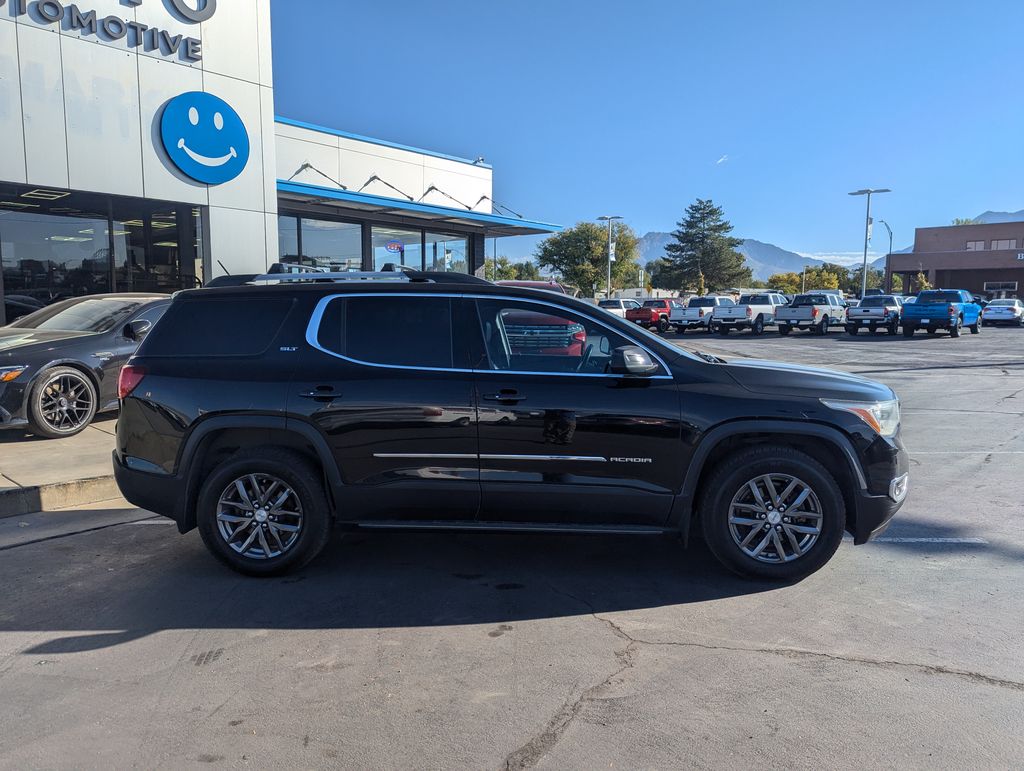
x=505, y=395
x=321, y=393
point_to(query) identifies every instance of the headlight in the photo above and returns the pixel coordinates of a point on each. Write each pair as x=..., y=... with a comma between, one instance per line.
x=883, y=417
x=7, y=374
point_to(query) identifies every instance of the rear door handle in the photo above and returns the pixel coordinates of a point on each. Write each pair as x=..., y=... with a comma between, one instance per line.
x=321, y=393
x=509, y=395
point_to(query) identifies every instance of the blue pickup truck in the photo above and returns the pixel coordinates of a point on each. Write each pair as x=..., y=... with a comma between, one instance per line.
x=951, y=309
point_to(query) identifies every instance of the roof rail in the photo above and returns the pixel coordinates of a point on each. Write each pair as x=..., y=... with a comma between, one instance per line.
x=416, y=276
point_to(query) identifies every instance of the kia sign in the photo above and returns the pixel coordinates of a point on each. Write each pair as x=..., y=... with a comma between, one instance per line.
x=394, y=246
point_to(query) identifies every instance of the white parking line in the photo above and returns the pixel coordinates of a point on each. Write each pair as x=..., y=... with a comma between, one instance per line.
x=967, y=452
x=894, y=539
x=160, y=521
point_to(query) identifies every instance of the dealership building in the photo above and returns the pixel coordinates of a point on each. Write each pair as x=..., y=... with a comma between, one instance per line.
x=141, y=152
x=985, y=259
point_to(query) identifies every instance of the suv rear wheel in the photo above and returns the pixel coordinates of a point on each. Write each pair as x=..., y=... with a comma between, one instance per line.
x=772, y=513
x=263, y=512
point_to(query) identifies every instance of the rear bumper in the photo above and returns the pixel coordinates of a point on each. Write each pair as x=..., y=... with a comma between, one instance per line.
x=162, y=494
x=931, y=323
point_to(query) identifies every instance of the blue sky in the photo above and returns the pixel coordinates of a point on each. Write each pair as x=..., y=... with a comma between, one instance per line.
x=774, y=110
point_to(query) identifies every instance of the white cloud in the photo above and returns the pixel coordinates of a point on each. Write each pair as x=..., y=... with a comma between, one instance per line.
x=843, y=258
x=722, y=160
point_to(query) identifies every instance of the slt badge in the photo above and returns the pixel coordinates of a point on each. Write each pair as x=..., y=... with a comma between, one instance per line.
x=204, y=137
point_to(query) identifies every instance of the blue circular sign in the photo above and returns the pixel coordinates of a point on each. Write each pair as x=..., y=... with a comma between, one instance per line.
x=204, y=137
x=394, y=246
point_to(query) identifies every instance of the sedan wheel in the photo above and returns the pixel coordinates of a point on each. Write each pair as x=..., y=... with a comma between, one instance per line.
x=63, y=403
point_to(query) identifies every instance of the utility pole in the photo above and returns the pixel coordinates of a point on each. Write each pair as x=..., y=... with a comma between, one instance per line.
x=611, y=252
x=867, y=234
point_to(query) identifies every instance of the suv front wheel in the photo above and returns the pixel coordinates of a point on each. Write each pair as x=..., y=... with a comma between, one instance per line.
x=263, y=512
x=772, y=513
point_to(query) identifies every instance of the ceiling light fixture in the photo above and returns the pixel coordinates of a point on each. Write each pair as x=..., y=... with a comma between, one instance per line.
x=45, y=195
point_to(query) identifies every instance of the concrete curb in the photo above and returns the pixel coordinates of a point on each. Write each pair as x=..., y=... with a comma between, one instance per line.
x=18, y=501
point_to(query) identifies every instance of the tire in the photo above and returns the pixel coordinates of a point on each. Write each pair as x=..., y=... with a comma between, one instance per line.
x=785, y=329
x=724, y=330
x=63, y=402
x=976, y=327
x=758, y=327
x=852, y=330
x=307, y=498
x=730, y=484
x=822, y=327
x=908, y=331
x=680, y=330
x=1020, y=322
x=663, y=325
x=872, y=328
x=957, y=328
x=893, y=328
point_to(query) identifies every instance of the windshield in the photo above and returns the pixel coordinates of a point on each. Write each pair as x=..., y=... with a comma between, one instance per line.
x=809, y=299
x=89, y=314
x=939, y=297
x=876, y=302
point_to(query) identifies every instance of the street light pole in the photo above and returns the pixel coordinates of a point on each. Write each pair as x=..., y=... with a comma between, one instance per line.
x=867, y=235
x=888, y=255
x=608, y=219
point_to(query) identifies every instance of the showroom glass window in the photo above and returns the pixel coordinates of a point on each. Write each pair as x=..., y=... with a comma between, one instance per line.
x=337, y=246
x=397, y=245
x=287, y=238
x=56, y=244
x=447, y=252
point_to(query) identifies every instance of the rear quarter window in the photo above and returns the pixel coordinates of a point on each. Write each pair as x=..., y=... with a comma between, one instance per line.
x=218, y=326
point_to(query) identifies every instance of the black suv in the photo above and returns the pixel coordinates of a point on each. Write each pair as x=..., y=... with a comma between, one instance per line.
x=263, y=415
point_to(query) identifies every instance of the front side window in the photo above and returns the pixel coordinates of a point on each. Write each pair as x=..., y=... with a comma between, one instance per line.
x=412, y=331
x=530, y=337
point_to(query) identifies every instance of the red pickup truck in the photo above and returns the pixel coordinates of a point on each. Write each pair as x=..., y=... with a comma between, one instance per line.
x=653, y=313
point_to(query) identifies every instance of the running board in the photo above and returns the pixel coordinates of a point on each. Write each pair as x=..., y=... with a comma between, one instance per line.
x=513, y=527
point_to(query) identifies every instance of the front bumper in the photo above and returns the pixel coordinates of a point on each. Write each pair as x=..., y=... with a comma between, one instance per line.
x=874, y=515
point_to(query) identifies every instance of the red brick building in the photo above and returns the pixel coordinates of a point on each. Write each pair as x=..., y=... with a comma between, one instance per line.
x=987, y=260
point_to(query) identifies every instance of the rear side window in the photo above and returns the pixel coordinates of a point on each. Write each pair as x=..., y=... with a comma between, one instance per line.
x=702, y=302
x=218, y=326
x=397, y=331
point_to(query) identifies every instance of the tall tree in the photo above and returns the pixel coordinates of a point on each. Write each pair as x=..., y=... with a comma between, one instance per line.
x=500, y=270
x=526, y=271
x=787, y=283
x=662, y=274
x=875, y=279
x=896, y=282
x=703, y=253
x=579, y=255
x=963, y=221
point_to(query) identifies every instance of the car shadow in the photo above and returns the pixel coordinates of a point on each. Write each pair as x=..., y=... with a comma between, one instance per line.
x=362, y=581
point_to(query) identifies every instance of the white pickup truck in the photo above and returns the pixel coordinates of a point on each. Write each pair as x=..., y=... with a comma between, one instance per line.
x=814, y=311
x=753, y=311
x=699, y=313
x=874, y=313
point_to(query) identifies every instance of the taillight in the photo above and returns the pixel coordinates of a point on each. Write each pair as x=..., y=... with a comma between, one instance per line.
x=750, y=312
x=701, y=313
x=951, y=310
x=814, y=313
x=129, y=379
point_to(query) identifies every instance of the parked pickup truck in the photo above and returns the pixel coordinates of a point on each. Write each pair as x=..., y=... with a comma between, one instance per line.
x=753, y=311
x=875, y=312
x=699, y=313
x=814, y=311
x=653, y=313
x=935, y=309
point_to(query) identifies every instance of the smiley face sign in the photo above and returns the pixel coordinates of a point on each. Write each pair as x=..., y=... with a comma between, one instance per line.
x=204, y=137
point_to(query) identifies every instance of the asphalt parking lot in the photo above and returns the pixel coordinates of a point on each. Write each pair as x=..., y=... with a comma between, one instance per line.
x=125, y=644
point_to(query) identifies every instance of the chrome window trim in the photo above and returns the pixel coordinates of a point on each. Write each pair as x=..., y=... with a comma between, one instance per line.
x=313, y=327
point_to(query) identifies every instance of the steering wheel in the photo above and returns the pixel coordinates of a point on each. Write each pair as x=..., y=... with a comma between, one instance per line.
x=585, y=358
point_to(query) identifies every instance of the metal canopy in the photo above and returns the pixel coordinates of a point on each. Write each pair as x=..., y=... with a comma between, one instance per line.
x=429, y=214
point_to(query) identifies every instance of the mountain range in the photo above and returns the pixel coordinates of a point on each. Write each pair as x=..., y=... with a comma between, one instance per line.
x=762, y=258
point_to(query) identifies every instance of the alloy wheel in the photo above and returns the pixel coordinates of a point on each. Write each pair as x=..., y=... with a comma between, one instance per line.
x=259, y=516
x=775, y=518
x=66, y=403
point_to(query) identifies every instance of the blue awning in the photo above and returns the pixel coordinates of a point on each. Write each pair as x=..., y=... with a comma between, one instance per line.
x=493, y=224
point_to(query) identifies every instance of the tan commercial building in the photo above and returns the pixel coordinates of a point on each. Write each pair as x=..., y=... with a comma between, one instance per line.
x=987, y=260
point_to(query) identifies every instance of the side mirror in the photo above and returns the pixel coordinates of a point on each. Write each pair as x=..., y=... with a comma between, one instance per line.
x=632, y=360
x=136, y=330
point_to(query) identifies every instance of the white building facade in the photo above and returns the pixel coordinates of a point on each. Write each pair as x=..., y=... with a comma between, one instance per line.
x=140, y=152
